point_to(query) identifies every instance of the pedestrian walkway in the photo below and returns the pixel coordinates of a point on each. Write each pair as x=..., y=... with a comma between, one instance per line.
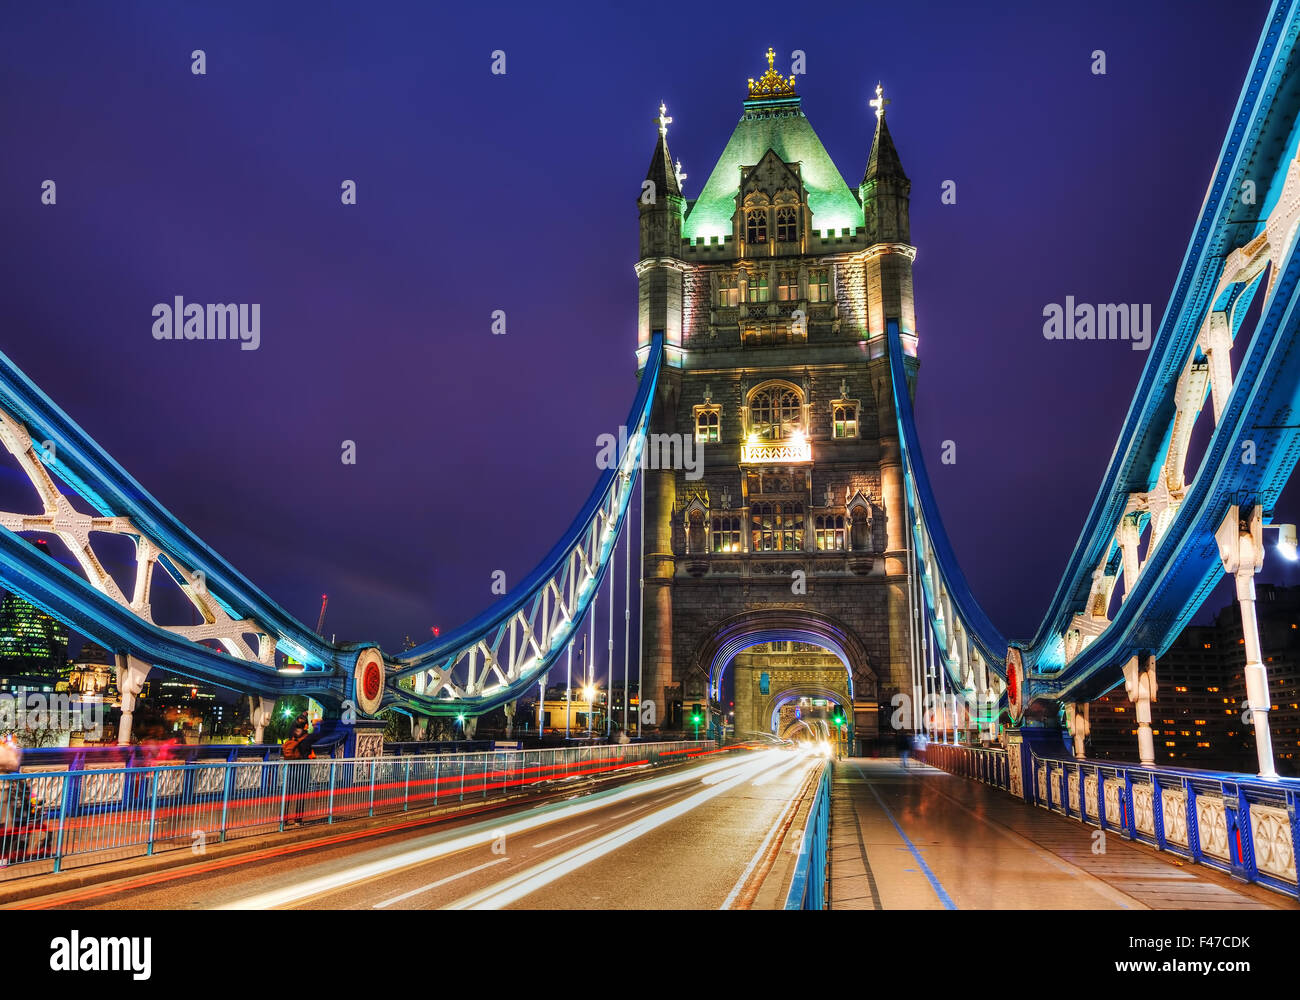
x=924, y=839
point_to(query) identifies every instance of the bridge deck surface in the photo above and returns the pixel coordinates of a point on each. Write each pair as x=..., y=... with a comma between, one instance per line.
x=925, y=839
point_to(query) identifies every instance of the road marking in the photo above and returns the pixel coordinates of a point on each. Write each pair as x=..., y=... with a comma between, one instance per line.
x=762, y=848
x=935, y=884
x=479, y=835
x=435, y=885
x=564, y=836
x=518, y=886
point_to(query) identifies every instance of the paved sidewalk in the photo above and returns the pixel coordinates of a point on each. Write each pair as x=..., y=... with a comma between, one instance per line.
x=925, y=839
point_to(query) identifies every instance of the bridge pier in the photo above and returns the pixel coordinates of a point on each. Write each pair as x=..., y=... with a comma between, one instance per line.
x=260, y=710
x=1241, y=548
x=1076, y=718
x=131, y=675
x=1140, y=684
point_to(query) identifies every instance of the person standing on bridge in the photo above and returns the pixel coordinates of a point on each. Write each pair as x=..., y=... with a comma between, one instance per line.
x=903, y=741
x=298, y=747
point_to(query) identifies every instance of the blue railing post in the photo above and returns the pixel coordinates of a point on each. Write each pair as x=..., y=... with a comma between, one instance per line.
x=1193, y=824
x=1157, y=811
x=284, y=790
x=153, y=812
x=374, y=768
x=64, y=805
x=406, y=788
x=226, y=785
x=330, y=818
x=1128, y=819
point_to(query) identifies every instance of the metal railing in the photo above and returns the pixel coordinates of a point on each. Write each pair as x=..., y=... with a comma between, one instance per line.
x=50, y=818
x=1237, y=823
x=808, y=884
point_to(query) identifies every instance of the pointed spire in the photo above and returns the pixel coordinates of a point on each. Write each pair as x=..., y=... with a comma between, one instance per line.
x=883, y=161
x=662, y=173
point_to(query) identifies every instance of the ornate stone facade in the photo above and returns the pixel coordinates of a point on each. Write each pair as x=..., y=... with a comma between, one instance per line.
x=775, y=290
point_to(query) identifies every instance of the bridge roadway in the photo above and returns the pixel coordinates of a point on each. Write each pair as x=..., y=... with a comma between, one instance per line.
x=926, y=839
x=719, y=833
x=704, y=836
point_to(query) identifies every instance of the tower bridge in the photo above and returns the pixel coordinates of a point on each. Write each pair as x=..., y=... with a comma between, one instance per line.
x=804, y=554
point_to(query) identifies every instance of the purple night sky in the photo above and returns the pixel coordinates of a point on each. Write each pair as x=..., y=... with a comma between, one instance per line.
x=479, y=192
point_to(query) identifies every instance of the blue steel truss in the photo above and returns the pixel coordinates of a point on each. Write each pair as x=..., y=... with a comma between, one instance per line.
x=1222, y=271
x=50, y=446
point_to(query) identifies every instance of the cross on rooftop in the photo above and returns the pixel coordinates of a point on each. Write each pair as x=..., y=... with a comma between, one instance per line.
x=663, y=120
x=880, y=101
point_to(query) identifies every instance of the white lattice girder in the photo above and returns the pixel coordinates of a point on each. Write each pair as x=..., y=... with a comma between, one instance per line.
x=74, y=528
x=534, y=632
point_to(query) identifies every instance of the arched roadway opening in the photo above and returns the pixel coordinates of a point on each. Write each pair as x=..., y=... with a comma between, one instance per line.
x=778, y=654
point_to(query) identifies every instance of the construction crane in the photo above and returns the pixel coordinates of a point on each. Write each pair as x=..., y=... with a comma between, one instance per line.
x=320, y=622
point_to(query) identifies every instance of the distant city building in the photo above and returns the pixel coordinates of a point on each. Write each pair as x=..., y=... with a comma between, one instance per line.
x=33, y=645
x=1197, y=717
x=92, y=675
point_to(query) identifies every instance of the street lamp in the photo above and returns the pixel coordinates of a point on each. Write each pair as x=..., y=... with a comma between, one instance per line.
x=589, y=694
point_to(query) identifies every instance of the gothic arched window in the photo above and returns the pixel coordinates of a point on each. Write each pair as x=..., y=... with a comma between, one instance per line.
x=787, y=224
x=775, y=412
x=845, y=423
x=758, y=289
x=706, y=426
x=756, y=225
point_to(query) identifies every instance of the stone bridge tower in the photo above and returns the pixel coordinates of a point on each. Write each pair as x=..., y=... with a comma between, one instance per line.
x=775, y=290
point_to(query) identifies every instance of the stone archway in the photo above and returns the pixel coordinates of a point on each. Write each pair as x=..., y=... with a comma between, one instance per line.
x=839, y=669
x=770, y=707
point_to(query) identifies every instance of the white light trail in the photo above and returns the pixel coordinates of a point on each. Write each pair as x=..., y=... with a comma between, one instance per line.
x=480, y=835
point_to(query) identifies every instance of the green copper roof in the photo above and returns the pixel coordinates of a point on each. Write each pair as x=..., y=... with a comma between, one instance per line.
x=782, y=127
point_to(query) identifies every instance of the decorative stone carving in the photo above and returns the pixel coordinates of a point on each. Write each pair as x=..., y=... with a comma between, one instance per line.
x=1212, y=826
x=1114, y=792
x=1144, y=815
x=1173, y=802
x=1270, y=829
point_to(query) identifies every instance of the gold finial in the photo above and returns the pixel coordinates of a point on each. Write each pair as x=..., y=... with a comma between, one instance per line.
x=772, y=83
x=880, y=102
x=663, y=121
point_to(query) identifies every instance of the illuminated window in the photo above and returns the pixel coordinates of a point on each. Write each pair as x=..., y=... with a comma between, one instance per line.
x=728, y=292
x=726, y=534
x=758, y=290
x=775, y=412
x=756, y=225
x=819, y=288
x=706, y=425
x=830, y=533
x=846, y=421
x=787, y=286
x=776, y=527
x=787, y=225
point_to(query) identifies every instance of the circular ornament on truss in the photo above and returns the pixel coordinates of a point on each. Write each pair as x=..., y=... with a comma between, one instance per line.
x=1015, y=684
x=369, y=677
